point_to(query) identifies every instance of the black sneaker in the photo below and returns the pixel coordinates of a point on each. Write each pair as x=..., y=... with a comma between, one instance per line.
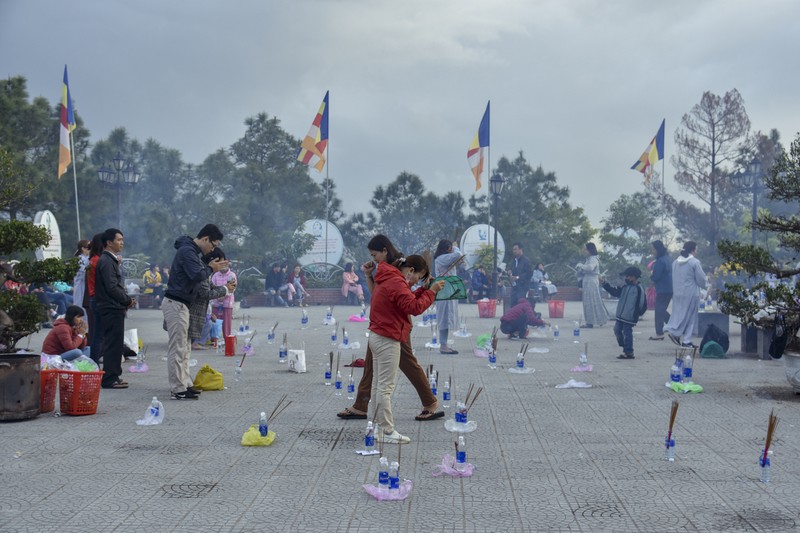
x=185, y=395
x=194, y=390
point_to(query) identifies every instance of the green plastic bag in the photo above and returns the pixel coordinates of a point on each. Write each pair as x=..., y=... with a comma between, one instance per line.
x=483, y=341
x=209, y=379
x=686, y=387
x=252, y=437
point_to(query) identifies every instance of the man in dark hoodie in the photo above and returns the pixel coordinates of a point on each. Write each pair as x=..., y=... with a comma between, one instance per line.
x=112, y=302
x=187, y=271
x=632, y=304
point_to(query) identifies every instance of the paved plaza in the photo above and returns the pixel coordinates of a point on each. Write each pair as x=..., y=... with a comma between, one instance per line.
x=545, y=459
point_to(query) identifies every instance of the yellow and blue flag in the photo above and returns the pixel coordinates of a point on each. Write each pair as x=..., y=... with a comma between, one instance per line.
x=475, y=152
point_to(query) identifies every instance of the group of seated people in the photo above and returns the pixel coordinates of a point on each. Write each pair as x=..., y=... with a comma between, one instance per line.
x=154, y=281
x=480, y=284
x=285, y=289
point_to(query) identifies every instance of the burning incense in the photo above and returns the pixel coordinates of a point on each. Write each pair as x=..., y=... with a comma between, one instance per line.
x=773, y=423
x=673, y=412
x=279, y=408
x=273, y=328
x=478, y=393
x=338, y=356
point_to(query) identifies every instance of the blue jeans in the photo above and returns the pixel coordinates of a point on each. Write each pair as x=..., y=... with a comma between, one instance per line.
x=73, y=354
x=624, y=333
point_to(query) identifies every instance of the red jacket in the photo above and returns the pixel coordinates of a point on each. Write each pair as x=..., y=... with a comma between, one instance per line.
x=525, y=308
x=90, y=270
x=392, y=302
x=61, y=338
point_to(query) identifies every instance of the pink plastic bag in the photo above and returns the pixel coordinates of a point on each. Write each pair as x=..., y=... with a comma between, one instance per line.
x=400, y=494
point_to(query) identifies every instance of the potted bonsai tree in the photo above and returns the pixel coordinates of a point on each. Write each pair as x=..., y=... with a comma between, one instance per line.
x=773, y=298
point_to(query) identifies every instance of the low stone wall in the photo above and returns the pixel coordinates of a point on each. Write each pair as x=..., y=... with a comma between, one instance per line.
x=315, y=297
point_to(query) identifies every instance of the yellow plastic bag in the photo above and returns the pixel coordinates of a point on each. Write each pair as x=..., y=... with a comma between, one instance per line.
x=252, y=437
x=209, y=379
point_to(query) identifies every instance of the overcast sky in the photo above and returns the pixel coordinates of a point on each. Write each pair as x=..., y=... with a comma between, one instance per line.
x=580, y=86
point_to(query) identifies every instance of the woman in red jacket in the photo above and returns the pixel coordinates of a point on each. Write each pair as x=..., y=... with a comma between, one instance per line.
x=68, y=336
x=392, y=303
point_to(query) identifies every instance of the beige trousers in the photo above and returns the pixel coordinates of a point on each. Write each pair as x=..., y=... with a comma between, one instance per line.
x=386, y=361
x=176, y=316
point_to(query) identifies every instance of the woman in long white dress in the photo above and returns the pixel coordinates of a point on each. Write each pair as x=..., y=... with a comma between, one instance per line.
x=594, y=312
x=79, y=283
x=446, y=310
x=687, y=280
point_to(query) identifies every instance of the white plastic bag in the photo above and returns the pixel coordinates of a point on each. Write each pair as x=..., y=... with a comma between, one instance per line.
x=153, y=415
x=131, y=339
x=297, y=361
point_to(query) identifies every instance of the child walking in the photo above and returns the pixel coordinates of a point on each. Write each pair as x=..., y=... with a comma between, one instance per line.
x=632, y=304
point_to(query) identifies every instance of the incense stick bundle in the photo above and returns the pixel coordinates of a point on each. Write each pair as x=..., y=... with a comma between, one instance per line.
x=478, y=393
x=673, y=412
x=399, y=451
x=273, y=328
x=250, y=340
x=773, y=423
x=330, y=355
x=494, y=345
x=453, y=264
x=338, y=356
x=284, y=338
x=278, y=408
x=586, y=349
x=469, y=393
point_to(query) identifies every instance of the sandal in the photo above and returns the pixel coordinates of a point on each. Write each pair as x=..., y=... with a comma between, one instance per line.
x=429, y=415
x=116, y=385
x=656, y=338
x=348, y=414
x=448, y=351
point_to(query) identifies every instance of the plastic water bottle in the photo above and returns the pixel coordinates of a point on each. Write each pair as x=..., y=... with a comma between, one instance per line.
x=520, y=360
x=338, y=383
x=328, y=315
x=304, y=320
x=461, y=413
x=687, y=368
x=241, y=326
x=434, y=339
x=154, y=407
x=394, y=476
x=262, y=425
x=139, y=361
x=383, y=475
x=351, y=388
x=701, y=306
x=334, y=338
x=247, y=324
x=461, y=455
x=709, y=303
x=446, y=394
x=556, y=333
x=583, y=359
x=492, y=359
x=271, y=337
x=369, y=437
x=765, y=467
x=327, y=373
x=363, y=311
x=675, y=372
x=282, y=353
x=237, y=370
x=345, y=339
x=669, y=451
x=576, y=331
x=432, y=381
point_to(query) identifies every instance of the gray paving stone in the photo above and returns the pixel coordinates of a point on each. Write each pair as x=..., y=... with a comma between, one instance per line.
x=546, y=459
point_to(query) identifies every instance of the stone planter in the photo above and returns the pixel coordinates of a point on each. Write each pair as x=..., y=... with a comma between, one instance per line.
x=793, y=369
x=19, y=386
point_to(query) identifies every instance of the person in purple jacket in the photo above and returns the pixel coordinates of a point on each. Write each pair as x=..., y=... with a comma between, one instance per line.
x=517, y=319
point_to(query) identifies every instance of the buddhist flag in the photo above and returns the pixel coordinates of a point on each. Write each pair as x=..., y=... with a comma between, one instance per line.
x=475, y=152
x=67, y=125
x=313, y=147
x=653, y=154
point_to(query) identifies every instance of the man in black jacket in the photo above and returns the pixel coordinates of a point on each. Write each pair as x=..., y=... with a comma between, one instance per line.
x=521, y=273
x=112, y=301
x=186, y=274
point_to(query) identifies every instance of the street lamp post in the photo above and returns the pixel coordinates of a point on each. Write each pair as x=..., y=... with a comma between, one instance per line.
x=750, y=179
x=122, y=173
x=496, y=184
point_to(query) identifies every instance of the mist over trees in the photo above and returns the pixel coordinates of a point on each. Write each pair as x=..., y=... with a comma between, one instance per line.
x=260, y=195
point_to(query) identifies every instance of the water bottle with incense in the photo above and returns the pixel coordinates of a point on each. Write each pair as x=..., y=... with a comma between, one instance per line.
x=304, y=319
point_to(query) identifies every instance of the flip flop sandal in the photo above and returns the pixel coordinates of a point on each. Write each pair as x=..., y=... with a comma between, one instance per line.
x=116, y=386
x=428, y=415
x=656, y=338
x=347, y=414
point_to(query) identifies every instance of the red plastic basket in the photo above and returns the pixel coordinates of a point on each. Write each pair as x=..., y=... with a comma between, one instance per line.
x=556, y=308
x=80, y=392
x=47, y=392
x=487, y=308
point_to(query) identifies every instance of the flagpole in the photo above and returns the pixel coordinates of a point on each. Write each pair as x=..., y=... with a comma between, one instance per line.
x=663, y=192
x=75, y=181
x=327, y=202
